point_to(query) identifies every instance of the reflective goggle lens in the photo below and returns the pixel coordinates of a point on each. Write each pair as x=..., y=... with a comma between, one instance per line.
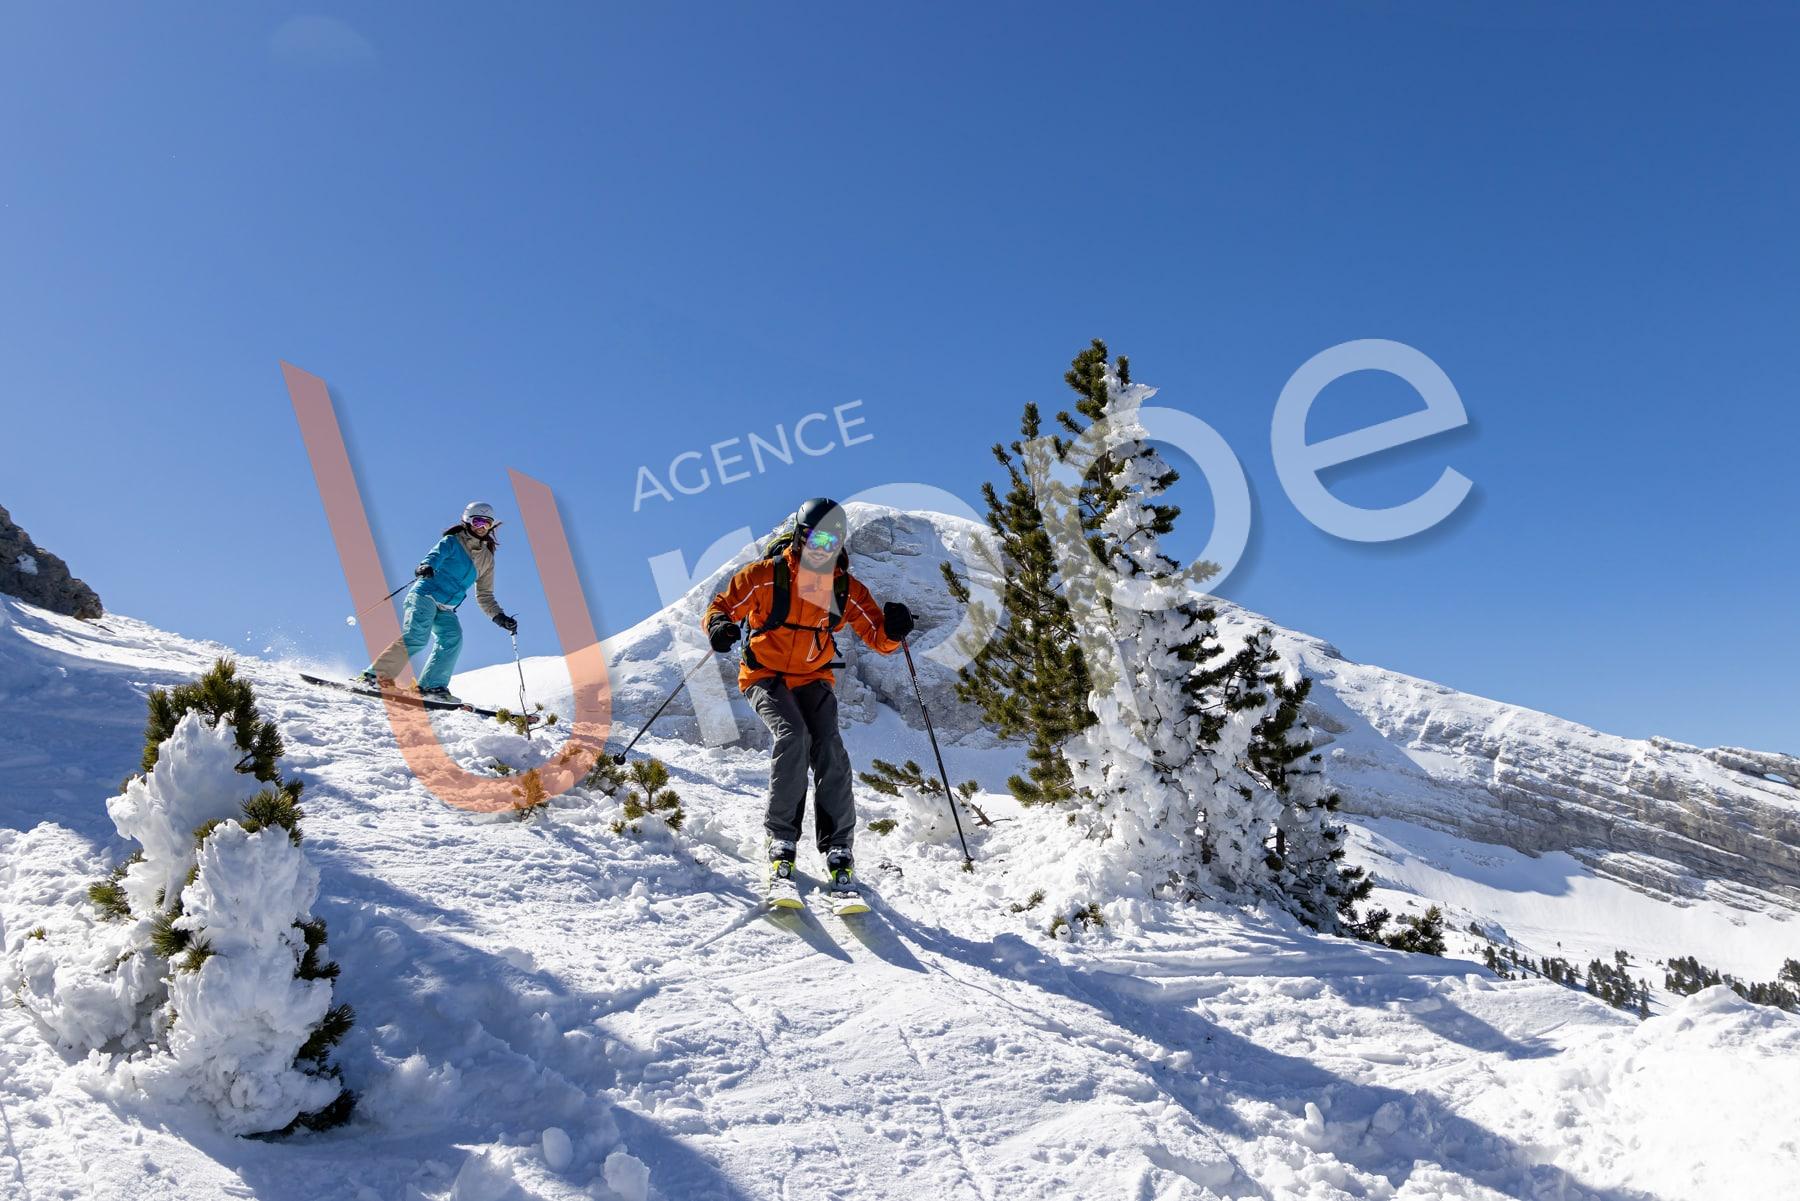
x=822, y=540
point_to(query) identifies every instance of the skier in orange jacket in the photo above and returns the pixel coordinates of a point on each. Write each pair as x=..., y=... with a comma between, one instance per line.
x=793, y=600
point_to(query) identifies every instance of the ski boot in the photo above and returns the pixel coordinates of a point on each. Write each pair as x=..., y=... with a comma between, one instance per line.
x=439, y=694
x=782, y=890
x=370, y=682
x=846, y=898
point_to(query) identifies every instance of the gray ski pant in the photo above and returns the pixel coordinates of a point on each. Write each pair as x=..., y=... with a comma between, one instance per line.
x=804, y=721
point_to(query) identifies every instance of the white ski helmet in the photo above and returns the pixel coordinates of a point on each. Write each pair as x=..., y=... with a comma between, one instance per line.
x=478, y=508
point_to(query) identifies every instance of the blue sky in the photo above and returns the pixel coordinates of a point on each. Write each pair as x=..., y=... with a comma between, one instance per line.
x=576, y=240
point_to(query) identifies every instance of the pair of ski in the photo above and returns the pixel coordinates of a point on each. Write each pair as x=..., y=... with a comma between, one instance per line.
x=784, y=893
x=357, y=688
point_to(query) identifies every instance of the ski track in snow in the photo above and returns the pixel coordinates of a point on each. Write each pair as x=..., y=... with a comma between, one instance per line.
x=512, y=976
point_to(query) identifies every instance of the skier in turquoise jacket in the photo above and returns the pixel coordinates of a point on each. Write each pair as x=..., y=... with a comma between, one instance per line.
x=464, y=556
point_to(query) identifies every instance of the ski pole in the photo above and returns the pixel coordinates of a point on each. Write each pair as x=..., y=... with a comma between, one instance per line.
x=620, y=757
x=949, y=795
x=384, y=600
x=524, y=711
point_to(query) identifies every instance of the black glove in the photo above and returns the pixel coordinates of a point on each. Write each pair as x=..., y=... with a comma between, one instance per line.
x=422, y=571
x=724, y=635
x=509, y=624
x=898, y=620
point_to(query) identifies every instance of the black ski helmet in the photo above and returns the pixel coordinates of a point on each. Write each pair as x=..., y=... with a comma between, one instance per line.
x=821, y=512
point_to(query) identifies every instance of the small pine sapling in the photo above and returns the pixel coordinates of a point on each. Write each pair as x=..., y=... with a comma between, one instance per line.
x=532, y=798
x=605, y=777
x=518, y=723
x=1031, y=902
x=647, y=793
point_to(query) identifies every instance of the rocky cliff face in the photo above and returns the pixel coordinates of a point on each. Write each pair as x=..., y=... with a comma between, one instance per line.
x=36, y=576
x=1659, y=814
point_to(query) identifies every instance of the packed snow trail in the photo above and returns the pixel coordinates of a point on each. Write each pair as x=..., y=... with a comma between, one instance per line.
x=511, y=977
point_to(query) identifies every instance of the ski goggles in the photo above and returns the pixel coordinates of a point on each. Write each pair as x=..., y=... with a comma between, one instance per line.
x=480, y=523
x=822, y=540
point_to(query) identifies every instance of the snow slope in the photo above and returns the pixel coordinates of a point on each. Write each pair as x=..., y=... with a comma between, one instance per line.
x=549, y=1009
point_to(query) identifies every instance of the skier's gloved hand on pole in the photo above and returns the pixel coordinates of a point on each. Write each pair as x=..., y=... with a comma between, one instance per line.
x=509, y=624
x=897, y=619
x=422, y=571
x=723, y=635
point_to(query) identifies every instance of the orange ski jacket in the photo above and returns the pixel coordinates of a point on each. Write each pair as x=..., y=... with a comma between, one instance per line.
x=800, y=649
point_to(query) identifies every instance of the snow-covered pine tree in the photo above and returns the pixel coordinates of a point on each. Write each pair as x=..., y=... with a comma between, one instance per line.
x=1149, y=764
x=1094, y=381
x=1156, y=772
x=1307, y=857
x=1025, y=673
x=1239, y=814
x=205, y=966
